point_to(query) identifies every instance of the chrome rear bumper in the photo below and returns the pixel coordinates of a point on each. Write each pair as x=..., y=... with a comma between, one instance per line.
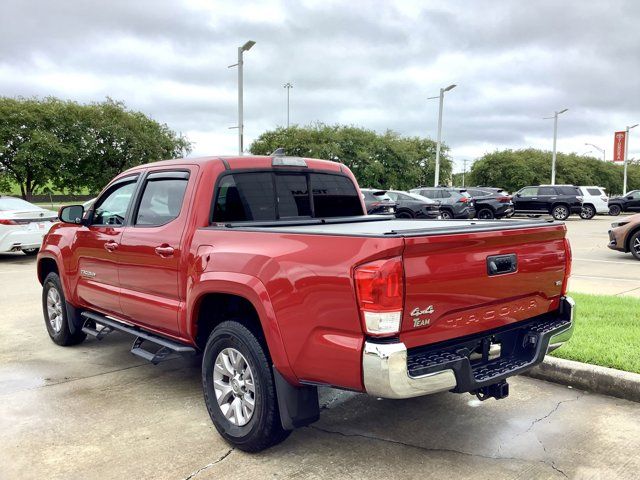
x=386, y=374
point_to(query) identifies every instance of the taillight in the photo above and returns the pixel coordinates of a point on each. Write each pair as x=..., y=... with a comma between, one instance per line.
x=463, y=199
x=506, y=199
x=567, y=265
x=7, y=222
x=380, y=291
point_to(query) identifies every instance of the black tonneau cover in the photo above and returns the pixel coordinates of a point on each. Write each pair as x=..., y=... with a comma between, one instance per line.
x=381, y=226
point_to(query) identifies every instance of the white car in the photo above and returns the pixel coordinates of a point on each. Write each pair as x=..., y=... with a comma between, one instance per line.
x=594, y=201
x=22, y=225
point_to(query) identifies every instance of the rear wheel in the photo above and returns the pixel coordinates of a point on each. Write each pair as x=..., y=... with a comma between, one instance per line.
x=486, y=214
x=404, y=214
x=30, y=252
x=239, y=388
x=634, y=245
x=588, y=212
x=446, y=214
x=560, y=212
x=54, y=307
x=615, y=210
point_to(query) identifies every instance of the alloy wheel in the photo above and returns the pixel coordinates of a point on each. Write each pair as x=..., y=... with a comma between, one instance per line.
x=54, y=309
x=636, y=245
x=234, y=386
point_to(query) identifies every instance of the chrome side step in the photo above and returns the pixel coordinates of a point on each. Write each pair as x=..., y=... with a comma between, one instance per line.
x=168, y=348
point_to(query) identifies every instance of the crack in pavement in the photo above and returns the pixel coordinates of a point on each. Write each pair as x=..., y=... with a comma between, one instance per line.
x=555, y=409
x=440, y=450
x=209, y=465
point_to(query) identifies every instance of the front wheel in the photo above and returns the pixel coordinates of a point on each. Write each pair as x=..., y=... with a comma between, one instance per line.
x=615, y=210
x=560, y=212
x=634, y=245
x=30, y=252
x=404, y=214
x=486, y=214
x=56, y=319
x=588, y=212
x=239, y=389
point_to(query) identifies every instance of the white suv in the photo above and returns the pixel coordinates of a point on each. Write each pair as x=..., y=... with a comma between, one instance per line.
x=595, y=200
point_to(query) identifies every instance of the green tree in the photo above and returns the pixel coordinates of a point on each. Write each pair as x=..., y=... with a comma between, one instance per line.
x=514, y=169
x=386, y=160
x=73, y=146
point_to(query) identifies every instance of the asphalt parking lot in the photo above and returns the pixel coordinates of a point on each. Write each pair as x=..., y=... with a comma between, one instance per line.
x=96, y=411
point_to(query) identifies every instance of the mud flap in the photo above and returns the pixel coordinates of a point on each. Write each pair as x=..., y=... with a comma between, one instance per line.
x=298, y=406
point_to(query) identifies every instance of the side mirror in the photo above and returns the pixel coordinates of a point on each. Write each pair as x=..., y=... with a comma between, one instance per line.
x=71, y=214
x=518, y=194
x=629, y=197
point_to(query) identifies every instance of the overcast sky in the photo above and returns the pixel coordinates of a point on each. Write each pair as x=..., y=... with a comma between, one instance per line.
x=371, y=64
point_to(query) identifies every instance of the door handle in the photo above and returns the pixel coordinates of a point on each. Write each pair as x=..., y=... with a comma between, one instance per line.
x=110, y=246
x=164, y=250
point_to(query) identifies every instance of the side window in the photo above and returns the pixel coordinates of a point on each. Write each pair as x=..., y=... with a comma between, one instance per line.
x=248, y=196
x=396, y=196
x=162, y=198
x=445, y=194
x=594, y=191
x=112, y=207
x=546, y=191
x=334, y=196
x=293, y=196
x=429, y=193
x=529, y=192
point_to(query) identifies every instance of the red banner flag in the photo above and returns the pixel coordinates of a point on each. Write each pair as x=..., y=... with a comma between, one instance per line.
x=618, y=146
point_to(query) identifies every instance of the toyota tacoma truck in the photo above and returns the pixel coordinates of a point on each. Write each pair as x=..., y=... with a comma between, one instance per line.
x=269, y=267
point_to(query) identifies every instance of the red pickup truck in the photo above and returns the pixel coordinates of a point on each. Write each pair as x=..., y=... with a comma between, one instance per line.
x=270, y=267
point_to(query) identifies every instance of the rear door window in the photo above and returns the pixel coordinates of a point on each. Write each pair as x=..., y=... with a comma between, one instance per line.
x=162, y=198
x=546, y=191
x=268, y=196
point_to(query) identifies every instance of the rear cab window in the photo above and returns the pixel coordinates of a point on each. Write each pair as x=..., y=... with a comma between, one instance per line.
x=269, y=196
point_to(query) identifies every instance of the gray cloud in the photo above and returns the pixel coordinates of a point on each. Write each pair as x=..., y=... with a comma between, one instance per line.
x=367, y=63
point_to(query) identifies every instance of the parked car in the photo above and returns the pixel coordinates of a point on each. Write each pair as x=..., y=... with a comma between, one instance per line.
x=628, y=203
x=271, y=268
x=453, y=203
x=378, y=202
x=22, y=225
x=559, y=201
x=490, y=202
x=624, y=235
x=594, y=201
x=411, y=205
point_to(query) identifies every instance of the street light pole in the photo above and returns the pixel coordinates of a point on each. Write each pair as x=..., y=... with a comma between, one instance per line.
x=626, y=158
x=555, y=138
x=288, y=86
x=244, y=48
x=601, y=150
x=464, y=170
x=436, y=179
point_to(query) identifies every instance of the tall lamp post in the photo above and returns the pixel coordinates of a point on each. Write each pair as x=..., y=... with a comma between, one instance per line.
x=436, y=179
x=288, y=86
x=244, y=48
x=555, y=138
x=601, y=150
x=626, y=158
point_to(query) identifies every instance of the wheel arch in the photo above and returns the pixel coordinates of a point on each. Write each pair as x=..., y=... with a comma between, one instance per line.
x=557, y=204
x=221, y=296
x=627, y=240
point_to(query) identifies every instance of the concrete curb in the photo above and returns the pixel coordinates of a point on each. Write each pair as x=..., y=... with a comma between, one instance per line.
x=593, y=378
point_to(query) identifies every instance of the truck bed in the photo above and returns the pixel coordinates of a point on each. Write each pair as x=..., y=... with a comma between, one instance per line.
x=383, y=226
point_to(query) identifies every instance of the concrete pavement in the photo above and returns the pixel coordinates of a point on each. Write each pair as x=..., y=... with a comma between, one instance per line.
x=96, y=411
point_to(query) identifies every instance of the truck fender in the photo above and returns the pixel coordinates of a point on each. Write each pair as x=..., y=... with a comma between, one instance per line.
x=253, y=290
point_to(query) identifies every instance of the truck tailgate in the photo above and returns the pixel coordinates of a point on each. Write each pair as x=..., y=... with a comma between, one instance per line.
x=452, y=291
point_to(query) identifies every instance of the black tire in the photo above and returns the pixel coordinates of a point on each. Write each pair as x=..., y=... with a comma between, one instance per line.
x=30, y=252
x=588, y=212
x=404, y=214
x=59, y=331
x=560, y=212
x=486, y=214
x=264, y=428
x=446, y=214
x=634, y=245
x=614, y=210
